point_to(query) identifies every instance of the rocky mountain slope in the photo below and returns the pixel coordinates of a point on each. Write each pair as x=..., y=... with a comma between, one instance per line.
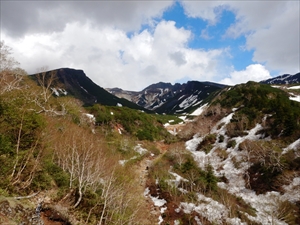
x=168, y=98
x=283, y=79
x=66, y=81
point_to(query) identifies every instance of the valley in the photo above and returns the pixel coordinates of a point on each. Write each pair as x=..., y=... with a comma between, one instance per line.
x=73, y=153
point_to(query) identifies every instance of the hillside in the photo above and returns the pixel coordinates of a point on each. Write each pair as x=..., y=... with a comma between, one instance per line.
x=242, y=163
x=66, y=161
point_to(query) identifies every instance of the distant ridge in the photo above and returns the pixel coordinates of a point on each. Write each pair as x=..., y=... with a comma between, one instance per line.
x=283, y=79
x=171, y=99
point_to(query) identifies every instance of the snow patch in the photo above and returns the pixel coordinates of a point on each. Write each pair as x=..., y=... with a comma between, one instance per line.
x=63, y=91
x=83, y=89
x=292, y=190
x=140, y=150
x=188, y=101
x=182, y=117
x=199, y=111
x=91, y=117
x=295, y=98
x=177, y=180
x=158, y=202
x=294, y=87
x=208, y=208
x=123, y=162
x=55, y=91
x=294, y=146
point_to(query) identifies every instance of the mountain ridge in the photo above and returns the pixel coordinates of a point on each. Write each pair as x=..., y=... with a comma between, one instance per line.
x=167, y=98
x=161, y=97
x=283, y=79
x=79, y=85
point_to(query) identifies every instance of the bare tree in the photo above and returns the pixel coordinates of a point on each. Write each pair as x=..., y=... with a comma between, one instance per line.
x=41, y=95
x=45, y=80
x=28, y=159
x=10, y=75
x=79, y=153
x=265, y=153
x=179, y=152
x=116, y=200
x=6, y=61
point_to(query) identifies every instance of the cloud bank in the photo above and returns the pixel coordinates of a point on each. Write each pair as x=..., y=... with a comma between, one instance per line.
x=130, y=45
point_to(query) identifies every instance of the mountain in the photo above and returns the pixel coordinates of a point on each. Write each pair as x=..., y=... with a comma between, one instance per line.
x=66, y=81
x=283, y=79
x=171, y=99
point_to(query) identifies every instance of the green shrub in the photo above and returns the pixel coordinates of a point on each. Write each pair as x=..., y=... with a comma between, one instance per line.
x=221, y=138
x=231, y=144
x=5, y=145
x=41, y=181
x=60, y=177
x=207, y=143
x=144, y=135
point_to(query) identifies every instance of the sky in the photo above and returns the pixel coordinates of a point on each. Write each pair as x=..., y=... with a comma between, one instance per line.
x=133, y=44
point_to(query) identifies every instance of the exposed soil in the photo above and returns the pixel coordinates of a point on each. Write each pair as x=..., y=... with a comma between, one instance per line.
x=50, y=217
x=142, y=175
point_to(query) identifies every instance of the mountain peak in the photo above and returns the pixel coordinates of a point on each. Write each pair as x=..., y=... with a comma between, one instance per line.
x=76, y=83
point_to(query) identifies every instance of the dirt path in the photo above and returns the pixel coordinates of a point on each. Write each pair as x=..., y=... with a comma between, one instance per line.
x=151, y=212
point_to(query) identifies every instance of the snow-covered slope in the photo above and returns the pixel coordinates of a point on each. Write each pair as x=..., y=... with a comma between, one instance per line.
x=257, y=168
x=168, y=98
x=283, y=79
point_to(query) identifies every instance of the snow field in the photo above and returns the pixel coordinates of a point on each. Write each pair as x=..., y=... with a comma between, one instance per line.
x=266, y=205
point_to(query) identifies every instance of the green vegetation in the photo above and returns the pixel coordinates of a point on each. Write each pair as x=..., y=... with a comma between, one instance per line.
x=207, y=144
x=183, y=164
x=255, y=100
x=134, y=122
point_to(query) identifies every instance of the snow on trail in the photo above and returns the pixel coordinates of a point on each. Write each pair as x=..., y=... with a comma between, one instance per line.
x=158, y=203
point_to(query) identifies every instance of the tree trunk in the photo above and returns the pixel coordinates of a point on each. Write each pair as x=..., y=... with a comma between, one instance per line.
x=79, y=199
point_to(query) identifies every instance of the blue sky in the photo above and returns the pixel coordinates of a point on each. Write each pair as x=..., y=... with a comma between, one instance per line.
x=214, y=34
x=132, y=44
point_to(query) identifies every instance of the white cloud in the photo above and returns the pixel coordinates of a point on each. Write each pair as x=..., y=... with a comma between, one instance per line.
x=207, y=10
x=21, y=17
x=278, y=45
x=253, y=72
x=112, y=59
x=105, y=39
x=271, y=28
